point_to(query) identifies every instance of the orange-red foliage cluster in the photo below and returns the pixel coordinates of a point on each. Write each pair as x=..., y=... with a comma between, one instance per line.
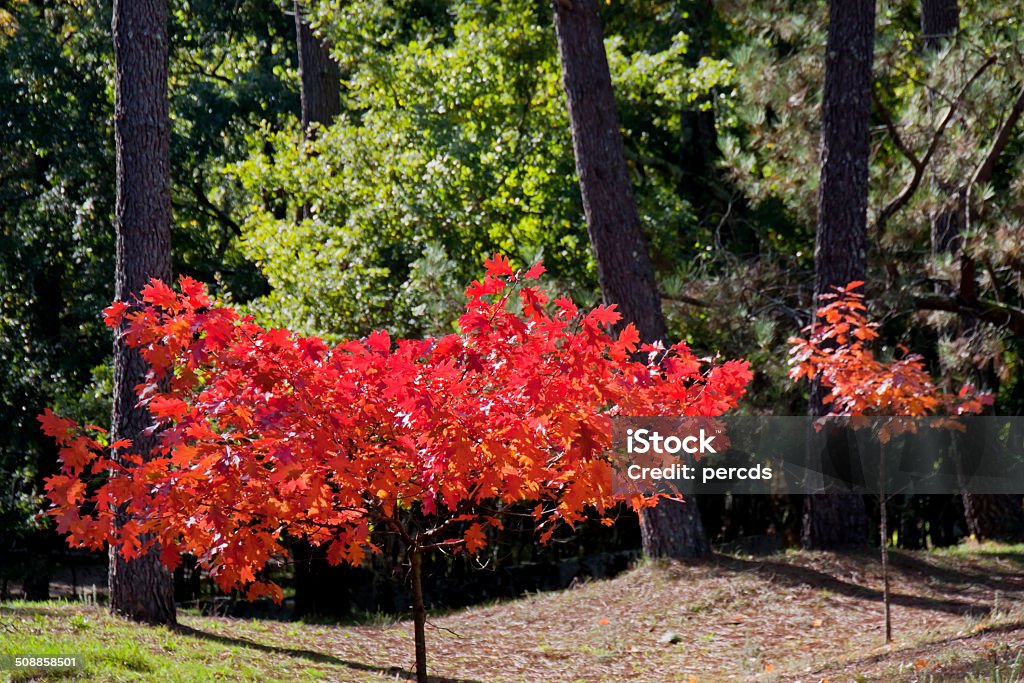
x=266, y=435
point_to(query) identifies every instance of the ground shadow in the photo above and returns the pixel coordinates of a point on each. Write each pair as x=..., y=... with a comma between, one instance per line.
x=1009, y=580
x=319, y=657
x=795, y=575
x=962, y=671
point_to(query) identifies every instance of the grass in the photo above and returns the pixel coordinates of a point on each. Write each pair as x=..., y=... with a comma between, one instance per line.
x=796, y=617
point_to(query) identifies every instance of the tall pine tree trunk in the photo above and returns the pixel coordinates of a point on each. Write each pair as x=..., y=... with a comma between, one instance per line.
x=840, y=254
x=624, y=268
x=142, y=588
x=319, y=79
x=940, y=20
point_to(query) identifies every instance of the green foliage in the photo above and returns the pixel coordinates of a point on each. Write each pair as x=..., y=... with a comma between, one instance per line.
x=229, y=73
x=454, y=137
x=56, y=195
x=232, y=71
x=772, y=156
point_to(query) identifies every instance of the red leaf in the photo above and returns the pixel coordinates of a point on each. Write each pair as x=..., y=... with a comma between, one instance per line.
x=379, y=341
x=498, y=266
x=629, y=338
x=114, y=313
x=194, y=291
x=605, y=315
x=159, y=294
x=535, y=271
x=165, y=406
x=566, y=307
x=475, y=538
x=77, y=454
x=55, y=426
x=489, y=285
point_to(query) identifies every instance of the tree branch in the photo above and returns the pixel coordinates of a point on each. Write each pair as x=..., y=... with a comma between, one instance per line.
x=894, y=133
x=920, y=164
x=988, y=166
x=997, y=314
x=683, y=299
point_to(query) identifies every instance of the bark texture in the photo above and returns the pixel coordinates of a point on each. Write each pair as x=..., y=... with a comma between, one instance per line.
x=940, y=20
x=624, y=268
x=673, y=529
x=840, y=254
x=841, y=245
x=141, y=589
x=994, y=517
x=320, y=81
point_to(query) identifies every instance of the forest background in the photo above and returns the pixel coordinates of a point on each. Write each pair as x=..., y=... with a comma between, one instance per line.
x=440, y=135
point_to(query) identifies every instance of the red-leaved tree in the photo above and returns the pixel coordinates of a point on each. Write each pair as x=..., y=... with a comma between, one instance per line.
x=266, y=436
x=838, y=351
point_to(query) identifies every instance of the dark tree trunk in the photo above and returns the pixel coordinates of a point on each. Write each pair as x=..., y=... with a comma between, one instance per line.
x=673, y=529
x=698, y=132
x=319, y=79
x=840, y=254
x=419, y=613
x=940, y=20
x=141, y=589
x=833, y=520
x=624, y=269
x=994, y=517
x=840, y=251
x=321, y=590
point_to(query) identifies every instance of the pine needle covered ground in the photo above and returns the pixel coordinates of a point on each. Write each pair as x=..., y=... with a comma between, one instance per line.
x=958, y=615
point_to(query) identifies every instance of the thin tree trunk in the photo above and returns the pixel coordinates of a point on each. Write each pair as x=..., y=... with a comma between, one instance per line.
x=142, y=588
x=624, y=269
x=840, y=254
x=419, y=613
x=883, y=532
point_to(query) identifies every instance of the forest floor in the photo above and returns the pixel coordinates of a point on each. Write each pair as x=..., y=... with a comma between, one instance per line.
x=958, y=614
